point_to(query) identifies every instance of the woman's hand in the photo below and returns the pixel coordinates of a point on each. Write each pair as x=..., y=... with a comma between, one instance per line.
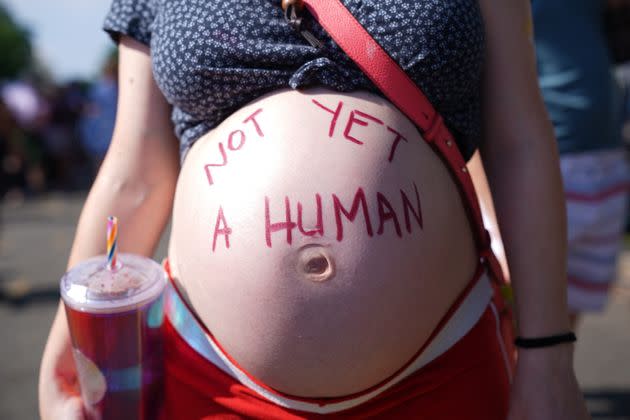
x=59, y=394
x=545, y=387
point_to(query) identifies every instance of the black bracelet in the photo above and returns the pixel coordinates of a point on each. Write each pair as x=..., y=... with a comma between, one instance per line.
x=551, y=340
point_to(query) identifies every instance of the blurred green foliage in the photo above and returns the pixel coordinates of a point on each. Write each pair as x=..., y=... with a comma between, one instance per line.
x=15, y=47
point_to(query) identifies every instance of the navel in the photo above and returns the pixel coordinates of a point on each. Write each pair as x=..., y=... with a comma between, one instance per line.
x=315, y=263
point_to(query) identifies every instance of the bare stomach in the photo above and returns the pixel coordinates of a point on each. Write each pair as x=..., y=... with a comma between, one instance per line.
x=319, y=239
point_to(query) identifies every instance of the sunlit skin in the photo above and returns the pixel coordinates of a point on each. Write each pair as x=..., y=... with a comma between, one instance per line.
x=298, y=292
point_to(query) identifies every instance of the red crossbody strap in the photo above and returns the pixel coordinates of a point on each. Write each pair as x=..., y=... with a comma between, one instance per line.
x=394, y=83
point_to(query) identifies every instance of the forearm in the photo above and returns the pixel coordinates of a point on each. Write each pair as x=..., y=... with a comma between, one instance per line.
x=529, y=200
x=136, y=182
x=142, y=206
x=520, y=155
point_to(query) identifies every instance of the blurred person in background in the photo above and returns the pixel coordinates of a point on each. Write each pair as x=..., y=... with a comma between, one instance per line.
x=64, y=154
x=25, y=102
x=97, y=123
x=584, y=102
x=582, y=96
x=24, y=112
x=12, y=168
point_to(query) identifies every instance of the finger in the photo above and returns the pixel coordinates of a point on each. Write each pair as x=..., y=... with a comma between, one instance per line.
x=58, y=405
x=72, y=409
x=59, y=397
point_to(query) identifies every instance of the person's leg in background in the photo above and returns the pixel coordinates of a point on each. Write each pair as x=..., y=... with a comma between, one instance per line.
x=596, y=188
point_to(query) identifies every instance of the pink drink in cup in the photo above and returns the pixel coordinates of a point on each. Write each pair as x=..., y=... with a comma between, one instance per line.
x=115, y=317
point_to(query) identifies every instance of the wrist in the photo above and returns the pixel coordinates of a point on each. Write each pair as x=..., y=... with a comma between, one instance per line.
x=554, y=357
x=544, y=341
x=538, y=323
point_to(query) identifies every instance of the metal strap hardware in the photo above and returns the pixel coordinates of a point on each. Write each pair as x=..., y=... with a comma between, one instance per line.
x=293, y=15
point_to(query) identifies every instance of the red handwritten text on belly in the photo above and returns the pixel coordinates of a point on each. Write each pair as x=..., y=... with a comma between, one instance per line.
x=354, y=120
x=359, y=199
x=345, y=212
x=235, y=142
x=360, y=118
x=408, y=207
x=319, y=226
x=385, y=213
x=335, y=115
x=221, y=228
x=287, y=225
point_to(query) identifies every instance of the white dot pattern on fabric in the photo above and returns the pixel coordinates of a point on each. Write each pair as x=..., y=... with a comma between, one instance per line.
x=212, y=57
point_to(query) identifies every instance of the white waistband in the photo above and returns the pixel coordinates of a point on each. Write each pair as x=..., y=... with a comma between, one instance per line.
x=463, y=320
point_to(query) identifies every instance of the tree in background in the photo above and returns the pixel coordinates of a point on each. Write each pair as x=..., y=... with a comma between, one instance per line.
x=15, y=45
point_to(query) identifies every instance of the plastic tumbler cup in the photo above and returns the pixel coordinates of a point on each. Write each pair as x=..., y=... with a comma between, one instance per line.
x=115, y=318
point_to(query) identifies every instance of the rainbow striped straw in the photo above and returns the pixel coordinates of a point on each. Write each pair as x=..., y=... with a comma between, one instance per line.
x=112, y=239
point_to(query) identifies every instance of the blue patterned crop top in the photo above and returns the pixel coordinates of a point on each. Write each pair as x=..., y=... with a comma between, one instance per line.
x=211, y=57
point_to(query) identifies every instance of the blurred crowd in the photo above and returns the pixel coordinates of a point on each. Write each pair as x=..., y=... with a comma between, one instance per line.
x=54, y=136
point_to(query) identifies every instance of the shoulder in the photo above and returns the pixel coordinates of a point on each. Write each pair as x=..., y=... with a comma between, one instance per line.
x=133, y=18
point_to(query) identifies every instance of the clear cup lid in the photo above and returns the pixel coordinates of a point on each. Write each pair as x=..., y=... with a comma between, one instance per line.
x=91, y=287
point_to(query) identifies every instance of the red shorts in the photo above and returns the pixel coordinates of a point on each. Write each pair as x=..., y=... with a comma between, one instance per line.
x=470, y=380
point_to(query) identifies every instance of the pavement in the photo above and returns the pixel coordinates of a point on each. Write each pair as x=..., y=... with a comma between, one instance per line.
x=35, y=239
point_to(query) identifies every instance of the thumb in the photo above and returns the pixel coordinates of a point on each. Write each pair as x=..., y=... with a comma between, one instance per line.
x=72, y=409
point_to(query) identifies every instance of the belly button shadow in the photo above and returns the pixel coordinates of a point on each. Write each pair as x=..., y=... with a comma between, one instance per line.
x=315, y=263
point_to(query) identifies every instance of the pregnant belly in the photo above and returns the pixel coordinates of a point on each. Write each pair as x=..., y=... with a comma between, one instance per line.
x=319, y=239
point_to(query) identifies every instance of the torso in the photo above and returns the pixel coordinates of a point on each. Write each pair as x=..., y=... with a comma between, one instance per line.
x=319, y=309
x=212, y=57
